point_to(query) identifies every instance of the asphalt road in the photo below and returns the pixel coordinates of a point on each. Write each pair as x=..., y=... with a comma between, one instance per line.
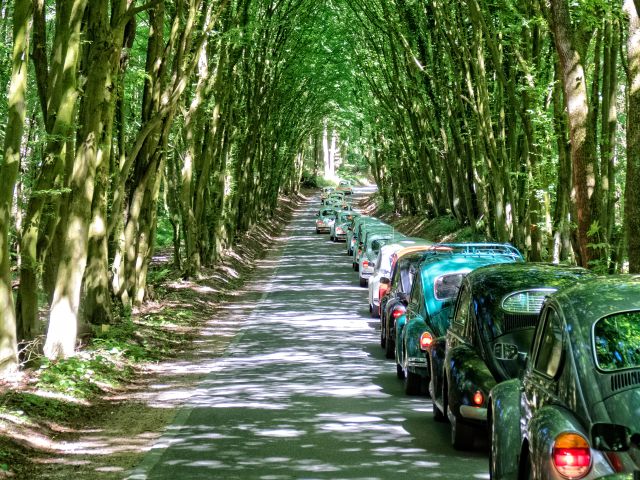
x=304, y=391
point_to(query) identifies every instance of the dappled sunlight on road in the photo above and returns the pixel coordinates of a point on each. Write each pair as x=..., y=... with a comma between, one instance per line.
x=303, y=391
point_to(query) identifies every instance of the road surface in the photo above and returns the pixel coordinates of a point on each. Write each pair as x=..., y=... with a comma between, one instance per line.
x=304, y=391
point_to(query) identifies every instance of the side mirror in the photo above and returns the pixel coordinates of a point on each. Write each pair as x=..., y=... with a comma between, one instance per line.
x=505, y=351
x=611, y=437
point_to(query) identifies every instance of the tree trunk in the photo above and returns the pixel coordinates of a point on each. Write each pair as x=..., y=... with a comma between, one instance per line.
x=8, y=175
x=632, y=191
x=582, y=137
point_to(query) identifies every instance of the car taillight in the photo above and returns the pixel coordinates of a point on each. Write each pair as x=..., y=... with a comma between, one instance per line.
x=426, y=339
x=398, y=312
x=365, y=264
x=382, y=290
x=478, y=398
x=571, y=455
x=339, y=230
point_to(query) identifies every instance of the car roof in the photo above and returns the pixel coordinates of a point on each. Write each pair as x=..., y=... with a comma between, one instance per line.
x=435, y=266
x=503, y=278
x=597, y=298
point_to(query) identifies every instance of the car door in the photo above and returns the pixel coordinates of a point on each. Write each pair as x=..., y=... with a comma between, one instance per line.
x=457, y=341
x=540, y=380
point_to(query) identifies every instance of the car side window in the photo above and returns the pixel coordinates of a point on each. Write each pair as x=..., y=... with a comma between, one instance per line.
x=416, y=293
x=462, y=311
x=551, y=343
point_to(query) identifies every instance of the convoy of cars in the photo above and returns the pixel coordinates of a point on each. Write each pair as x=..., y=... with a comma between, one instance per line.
x=540, y=361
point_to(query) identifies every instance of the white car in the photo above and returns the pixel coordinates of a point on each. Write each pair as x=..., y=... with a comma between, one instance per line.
x=382, y=269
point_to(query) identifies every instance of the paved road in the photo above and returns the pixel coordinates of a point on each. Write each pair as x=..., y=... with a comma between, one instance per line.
x=304, y=391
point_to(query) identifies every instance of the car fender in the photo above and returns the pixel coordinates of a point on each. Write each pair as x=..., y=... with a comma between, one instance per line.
x=504, y=429
x=413, y=330
x=436, y=353
x=467, y=373
x=400, y=327
x=546, y=424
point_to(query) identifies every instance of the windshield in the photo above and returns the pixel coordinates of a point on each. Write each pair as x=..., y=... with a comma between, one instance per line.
x=617, y=341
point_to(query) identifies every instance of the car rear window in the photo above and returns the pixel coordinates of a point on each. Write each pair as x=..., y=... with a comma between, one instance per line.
x=447, y=286
x=617, y=341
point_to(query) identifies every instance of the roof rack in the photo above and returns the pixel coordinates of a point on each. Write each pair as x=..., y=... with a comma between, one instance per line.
x=480, y=248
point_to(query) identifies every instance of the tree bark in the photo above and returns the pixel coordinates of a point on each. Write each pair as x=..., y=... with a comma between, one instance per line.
x=8, y=175
x=582, y=137
x=632, y=191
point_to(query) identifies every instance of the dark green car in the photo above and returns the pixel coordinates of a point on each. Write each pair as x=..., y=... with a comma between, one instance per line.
x=576, y=411
x=488, y=338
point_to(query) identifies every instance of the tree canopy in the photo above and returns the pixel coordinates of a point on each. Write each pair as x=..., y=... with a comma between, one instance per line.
x=516, y=119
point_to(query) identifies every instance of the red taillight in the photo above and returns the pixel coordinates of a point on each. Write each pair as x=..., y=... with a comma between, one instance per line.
x=397, y=312
x=382, y=290
x=426, y=339
x=571, y=455
x=365, y=264
x=478, y=398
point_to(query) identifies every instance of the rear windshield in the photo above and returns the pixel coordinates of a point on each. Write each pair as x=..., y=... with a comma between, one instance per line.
x=376, y=245
x=617, y=341
x=447, y=286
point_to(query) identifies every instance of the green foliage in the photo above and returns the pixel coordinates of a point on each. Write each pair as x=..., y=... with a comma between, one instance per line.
x=81, y=376
x=26, y=405
x=164, y=232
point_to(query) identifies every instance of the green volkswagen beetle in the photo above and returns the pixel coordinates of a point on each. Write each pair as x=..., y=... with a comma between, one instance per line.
x=576, y=411
x=491, y=330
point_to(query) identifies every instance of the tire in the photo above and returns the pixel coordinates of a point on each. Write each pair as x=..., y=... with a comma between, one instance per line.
x=412, y=383
x=399, y=372
x=317, y=230
x=526, y=472
x=390, y=348
x=363, y=282
x=462, y=435
x=438, y=416
x=383, y=338
x=375, y=311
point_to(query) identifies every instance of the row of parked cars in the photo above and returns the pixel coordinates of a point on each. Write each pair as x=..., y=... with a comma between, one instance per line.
x=541, y=360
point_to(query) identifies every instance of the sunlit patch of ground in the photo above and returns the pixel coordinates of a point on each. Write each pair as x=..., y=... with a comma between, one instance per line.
x=108, y=435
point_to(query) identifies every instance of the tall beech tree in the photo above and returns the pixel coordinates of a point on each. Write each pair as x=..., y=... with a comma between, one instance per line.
x=9, y=167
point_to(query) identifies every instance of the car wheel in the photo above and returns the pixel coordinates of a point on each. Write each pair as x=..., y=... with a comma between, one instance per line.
x=355, y=266
x=317, y=230
x=375, y=311
x=461, y=434
x=363, y=282
x=383, y=338
x=526, y=472
x=412, y=383
x=399, y=372
x=390, y=348
x=438, y=416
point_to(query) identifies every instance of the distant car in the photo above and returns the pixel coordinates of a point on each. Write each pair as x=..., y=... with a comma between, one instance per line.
x=339, y=229
x=345, y=186
x=382, y=270
x=487, y=340
x=360, y=231
x=432, y=295
x=394, y=304
x=324, y=220
x=326, y=191
x=374, y=243
x=575, y=413
x=362, y=249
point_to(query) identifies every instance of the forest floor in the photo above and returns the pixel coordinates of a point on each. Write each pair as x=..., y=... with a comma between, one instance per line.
x=44, y=435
